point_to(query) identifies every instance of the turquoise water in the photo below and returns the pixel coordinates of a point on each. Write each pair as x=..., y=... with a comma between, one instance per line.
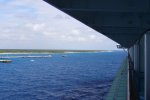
x=76, y=76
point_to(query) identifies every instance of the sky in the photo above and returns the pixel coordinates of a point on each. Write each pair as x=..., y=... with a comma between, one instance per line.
x=34, y=24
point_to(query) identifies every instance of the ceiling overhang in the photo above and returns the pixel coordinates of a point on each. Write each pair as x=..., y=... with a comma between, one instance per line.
x=124, y=21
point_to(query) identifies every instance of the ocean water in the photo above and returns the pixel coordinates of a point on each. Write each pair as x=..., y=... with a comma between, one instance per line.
x=74, y=76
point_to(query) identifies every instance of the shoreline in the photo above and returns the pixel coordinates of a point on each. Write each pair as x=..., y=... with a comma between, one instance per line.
x=54, y=52
x=38, y=51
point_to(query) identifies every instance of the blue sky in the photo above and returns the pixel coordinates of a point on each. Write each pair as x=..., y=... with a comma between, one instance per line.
x=34, y=24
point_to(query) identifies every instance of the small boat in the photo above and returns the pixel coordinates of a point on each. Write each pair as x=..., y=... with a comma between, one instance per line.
x=5, y=61
x=63, y=55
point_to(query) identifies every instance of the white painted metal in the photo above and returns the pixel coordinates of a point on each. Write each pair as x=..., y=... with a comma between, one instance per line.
x=147, y=65
x=131, y=52
x=136, y=57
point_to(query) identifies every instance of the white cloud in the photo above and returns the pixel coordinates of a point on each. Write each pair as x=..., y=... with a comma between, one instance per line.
x=75, y=32
x=61, y=17
x=36, y=27
x=92, y=36
x=81, y=38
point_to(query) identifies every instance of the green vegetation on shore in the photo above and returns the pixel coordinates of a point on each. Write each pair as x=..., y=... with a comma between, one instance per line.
x=44, y=51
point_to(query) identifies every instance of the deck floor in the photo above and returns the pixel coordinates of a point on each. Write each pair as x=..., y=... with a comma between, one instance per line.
x=118, y=90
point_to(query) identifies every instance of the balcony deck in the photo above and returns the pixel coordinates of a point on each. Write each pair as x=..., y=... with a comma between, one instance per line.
x=118, y=90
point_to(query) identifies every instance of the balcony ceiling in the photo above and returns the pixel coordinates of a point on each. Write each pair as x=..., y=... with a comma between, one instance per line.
x=124, y=21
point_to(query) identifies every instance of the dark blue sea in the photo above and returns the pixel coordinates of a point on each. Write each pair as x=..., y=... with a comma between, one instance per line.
x=69, y=76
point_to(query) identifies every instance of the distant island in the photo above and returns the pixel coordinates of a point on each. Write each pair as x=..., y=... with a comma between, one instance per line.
x=46, y=51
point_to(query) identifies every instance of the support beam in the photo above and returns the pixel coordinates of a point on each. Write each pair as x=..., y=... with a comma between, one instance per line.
x=147, y=65
x=136, y=57
x=131, y=52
